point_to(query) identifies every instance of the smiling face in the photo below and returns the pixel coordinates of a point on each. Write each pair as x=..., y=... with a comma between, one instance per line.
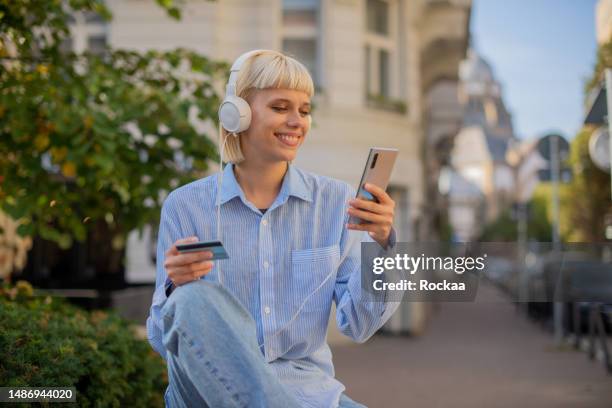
x=279, y=124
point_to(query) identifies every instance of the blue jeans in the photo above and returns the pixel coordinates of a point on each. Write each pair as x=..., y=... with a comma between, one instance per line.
x=212, y=355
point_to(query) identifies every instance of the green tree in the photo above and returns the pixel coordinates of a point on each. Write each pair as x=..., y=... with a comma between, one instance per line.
x=587, y=197
x=90, y=145
x=539, y=227
x=604, y=60
x=505, y=227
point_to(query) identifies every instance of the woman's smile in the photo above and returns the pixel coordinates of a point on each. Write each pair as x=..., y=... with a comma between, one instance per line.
x=289, y=139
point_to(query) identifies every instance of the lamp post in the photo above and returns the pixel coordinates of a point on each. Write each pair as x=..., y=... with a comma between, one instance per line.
x=555, y=148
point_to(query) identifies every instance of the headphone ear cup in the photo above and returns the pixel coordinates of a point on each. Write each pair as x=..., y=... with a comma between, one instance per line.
x=235, y=114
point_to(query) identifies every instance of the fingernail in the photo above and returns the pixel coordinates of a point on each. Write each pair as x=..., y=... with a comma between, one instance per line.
x=193, y=239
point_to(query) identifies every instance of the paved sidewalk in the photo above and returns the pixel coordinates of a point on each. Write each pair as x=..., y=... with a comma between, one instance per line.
x=481, y=354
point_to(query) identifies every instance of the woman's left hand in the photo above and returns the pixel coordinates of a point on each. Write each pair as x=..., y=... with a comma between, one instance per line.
x=377, y=217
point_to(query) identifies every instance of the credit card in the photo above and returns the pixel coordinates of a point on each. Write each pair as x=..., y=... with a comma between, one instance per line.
x=216, y=247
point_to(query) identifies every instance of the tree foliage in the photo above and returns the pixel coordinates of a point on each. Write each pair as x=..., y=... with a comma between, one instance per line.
x=587, y=197
x=604, y=60
x=96, y=139
x=505, y=227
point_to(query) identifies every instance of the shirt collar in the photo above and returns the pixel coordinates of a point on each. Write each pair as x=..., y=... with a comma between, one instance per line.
x=293, y=185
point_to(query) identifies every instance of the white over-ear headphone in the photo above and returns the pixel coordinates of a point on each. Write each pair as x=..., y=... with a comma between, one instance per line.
x=235, y=112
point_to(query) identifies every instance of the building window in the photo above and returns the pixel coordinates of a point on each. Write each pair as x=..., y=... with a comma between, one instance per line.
x=88, y=33
x=66, y=45
x=305, y=50
x=96, y=44
x=377, y=12
x=381, y=53
x=300, y=37
x=383, y=72
x=93, y=17
x=303, y=17
x=368, y=69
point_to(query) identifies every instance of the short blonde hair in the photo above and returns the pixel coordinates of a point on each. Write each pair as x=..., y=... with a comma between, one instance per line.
x=264, y=70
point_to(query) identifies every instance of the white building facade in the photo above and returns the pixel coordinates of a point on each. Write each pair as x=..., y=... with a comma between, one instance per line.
x=366, y=60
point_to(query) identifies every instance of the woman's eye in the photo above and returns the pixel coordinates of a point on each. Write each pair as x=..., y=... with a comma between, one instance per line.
x=305, y=113
x=279, y=108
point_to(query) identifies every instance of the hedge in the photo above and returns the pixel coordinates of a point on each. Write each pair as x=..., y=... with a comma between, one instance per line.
x=46, y=342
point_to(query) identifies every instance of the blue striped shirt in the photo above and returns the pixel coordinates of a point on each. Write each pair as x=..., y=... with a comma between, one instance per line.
x=277, y=260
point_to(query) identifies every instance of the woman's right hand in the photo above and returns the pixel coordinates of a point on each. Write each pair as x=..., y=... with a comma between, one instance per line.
x=187, y=267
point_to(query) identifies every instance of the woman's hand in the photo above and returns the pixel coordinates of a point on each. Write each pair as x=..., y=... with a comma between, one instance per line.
x=184, y=268
x=377, y=218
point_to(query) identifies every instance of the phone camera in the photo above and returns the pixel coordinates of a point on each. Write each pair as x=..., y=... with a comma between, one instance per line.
x=374, y=161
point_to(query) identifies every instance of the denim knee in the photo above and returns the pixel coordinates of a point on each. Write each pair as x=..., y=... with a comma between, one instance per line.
x=203, y=296
x=213, y=304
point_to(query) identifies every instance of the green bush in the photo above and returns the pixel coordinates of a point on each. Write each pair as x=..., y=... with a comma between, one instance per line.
x=45, y=342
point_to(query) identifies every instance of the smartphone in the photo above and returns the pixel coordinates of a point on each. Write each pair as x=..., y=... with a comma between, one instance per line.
x=216, y=247
x=377, y=171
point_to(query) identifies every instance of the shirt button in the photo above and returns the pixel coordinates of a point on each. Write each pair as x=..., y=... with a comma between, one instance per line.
x=264, y=222
x=266, y=264
x=267, y=310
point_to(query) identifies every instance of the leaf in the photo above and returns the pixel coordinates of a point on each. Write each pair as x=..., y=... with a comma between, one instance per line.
x=175, y=13
x=69, y=169
x=25, y=229
x=123, y=193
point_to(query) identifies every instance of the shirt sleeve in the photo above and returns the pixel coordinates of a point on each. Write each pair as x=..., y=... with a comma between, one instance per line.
x=359, y=314
x=168, y=233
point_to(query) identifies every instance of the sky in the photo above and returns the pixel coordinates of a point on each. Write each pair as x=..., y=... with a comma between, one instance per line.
x=542, y=52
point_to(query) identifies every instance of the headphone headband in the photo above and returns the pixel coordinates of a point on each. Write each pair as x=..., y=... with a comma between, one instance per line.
x=230, y=89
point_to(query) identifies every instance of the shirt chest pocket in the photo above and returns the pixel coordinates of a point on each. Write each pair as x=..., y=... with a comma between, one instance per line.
x=313, y=275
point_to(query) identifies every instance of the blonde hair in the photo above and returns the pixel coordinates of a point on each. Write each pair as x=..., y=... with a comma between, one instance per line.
x=264, y=70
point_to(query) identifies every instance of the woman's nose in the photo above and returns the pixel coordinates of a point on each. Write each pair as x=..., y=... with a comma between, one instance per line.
x=295, y=119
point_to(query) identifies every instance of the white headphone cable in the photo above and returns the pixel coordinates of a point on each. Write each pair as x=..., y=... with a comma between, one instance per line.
x=349, y=248
x=218, y=199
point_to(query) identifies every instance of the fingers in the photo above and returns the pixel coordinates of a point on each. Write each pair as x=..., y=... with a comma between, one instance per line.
x=379, y=193
x=367, y=216
x=174, y=251
x=190, y=269
x=377, y=217
x=186, y=259
x=187, y=267
x=372, y=206
x=185, y=274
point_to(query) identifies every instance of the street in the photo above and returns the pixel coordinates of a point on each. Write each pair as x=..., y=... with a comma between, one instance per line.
x=481, y=354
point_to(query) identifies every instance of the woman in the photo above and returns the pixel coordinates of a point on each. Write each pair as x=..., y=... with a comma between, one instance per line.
x=259, y=339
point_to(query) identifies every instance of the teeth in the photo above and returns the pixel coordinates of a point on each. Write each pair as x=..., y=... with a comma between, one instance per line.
x=288, y=138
